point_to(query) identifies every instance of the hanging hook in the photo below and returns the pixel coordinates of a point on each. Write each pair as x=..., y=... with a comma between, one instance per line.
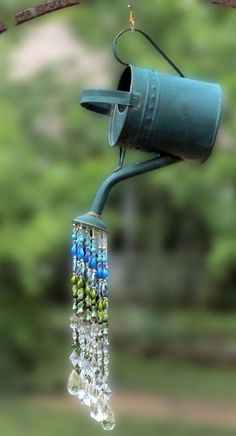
x=131, y=18
x=151, y=41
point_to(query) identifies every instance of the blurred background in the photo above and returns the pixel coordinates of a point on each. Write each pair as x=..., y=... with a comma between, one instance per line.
x=172, y=234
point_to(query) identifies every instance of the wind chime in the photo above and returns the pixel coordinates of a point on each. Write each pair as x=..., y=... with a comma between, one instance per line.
x=169, y=115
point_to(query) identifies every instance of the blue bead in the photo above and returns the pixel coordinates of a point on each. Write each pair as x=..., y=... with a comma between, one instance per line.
x=99, y=274
x=87, y=257
x=87, y=243
x=93, y=262
x=100, y=259
x=105, y=274
x=74, y=250
x=80, y=254
x=80, y=240
x=93, y=249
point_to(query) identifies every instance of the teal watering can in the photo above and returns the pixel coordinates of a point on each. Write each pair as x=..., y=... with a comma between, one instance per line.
x=160, y=113
x=170, y=115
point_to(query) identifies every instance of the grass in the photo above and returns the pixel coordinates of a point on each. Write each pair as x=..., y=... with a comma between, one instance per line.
x=177, y=379
x=23, y=418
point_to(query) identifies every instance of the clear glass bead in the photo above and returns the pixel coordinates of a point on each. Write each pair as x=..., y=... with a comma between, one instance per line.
x=97, y=410
x=109, y=422
x=74, y=383
x=108, y=393
x=74, y=358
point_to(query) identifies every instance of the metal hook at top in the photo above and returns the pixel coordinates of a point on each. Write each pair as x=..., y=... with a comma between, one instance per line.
x=151, y=41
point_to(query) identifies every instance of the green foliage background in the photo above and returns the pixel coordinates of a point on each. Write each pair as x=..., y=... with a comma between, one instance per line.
x=46, y=181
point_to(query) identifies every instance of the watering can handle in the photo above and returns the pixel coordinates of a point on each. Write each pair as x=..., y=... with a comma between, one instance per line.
x=101, y=101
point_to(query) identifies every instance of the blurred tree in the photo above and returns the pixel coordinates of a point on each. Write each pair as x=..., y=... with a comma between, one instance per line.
x=52, y=157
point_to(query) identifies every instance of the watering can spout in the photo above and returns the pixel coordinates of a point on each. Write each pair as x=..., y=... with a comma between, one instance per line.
x=93, y=218
x=127, y=173
x=174, y=117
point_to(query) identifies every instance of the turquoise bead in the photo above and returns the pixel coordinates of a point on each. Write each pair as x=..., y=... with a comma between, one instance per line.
x=93, y=263
x=80, y=240
x=99, y=273
x=74, y=250
x=80, y=254
x=105, y=274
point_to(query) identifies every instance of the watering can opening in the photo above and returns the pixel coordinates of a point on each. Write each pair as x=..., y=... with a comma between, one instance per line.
x=125, y=84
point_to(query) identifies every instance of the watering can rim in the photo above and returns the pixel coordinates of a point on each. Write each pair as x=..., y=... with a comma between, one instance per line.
x=102, y=100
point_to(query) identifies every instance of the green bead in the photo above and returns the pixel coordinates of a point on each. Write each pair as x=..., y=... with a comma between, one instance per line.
x=88, y=301
x=80, y=294
x=74, y=290
x=93, y=294
x=87, y=289
x=80, y=283
x=100, y=304
x=74, y=280
x=105, y=316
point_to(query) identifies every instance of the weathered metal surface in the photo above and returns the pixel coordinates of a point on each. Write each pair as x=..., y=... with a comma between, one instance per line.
x=43, y=9
x=162, y=113
x=230, y=3
x=28, y=14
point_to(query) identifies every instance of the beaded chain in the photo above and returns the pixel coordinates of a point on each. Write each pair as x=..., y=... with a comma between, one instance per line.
x=89, y=323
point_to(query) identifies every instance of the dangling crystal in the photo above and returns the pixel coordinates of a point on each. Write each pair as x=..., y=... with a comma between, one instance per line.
x=99, y=381
x=74, y=383
x=109, y=421
x=106, y=360
x=98, y=409
x=94, y=412
x=108, y=393
x=74, y=322
x=74, y=358
x=86, y=401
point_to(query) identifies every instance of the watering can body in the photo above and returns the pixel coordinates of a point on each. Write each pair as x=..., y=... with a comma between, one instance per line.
x=160, y=113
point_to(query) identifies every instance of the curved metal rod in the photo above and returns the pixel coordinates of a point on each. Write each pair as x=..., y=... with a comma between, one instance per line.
x=152, y=42
x=30, y=13
x=127, y=173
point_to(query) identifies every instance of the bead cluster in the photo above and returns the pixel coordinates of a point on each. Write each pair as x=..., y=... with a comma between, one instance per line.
x=90, y=357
